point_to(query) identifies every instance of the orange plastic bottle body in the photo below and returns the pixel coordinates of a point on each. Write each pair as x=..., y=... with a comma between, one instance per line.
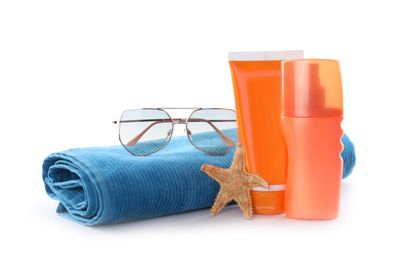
x=314, y=167
x=257, y=89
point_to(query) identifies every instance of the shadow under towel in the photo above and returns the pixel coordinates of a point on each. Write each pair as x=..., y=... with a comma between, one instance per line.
x=102, y=185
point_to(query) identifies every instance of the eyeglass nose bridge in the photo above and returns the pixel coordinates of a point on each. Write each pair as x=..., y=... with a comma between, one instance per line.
x=179, y=120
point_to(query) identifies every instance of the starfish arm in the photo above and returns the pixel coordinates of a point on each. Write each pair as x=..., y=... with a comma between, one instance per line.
x=216, y=173
x=239, y=159
x=257, y=181
x=222, y=200
x=245, y=203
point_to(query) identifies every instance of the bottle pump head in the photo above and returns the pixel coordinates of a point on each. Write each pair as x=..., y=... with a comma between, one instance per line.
x=311, y=88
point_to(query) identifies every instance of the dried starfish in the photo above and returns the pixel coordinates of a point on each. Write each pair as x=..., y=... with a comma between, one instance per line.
x=235, y=183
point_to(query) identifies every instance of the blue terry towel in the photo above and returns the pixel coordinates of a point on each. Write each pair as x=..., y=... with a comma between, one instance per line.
x=348, y=156
x=103, y=185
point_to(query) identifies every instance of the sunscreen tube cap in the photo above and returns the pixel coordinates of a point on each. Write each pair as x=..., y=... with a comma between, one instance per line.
x=311, y=88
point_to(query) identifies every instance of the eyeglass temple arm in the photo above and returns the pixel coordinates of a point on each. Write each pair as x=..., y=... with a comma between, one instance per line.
x=134, y=140
x=223, y=137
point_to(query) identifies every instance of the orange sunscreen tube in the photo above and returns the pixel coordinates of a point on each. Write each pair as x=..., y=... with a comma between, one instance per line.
x=257, y=89
x=312, y=108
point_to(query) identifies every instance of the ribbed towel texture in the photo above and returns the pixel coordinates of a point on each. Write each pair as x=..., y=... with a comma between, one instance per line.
x=103, y=185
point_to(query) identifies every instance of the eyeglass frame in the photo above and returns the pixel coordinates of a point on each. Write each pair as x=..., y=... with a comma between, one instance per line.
x=177, y=121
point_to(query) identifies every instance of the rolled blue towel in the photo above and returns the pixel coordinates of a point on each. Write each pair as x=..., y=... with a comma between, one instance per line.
x=348, y=156
x=103, y=185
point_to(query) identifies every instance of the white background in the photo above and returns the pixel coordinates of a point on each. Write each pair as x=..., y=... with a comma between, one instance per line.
x=68, y=68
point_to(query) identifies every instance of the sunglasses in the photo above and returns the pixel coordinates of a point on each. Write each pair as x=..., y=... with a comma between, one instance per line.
x=148, y=130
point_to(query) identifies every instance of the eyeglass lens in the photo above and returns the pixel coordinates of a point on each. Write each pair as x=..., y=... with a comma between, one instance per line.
x=213, y=130
x=144, y=131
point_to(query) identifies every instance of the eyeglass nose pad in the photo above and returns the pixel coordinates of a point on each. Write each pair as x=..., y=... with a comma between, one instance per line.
x=169, y=133
x=188, y=131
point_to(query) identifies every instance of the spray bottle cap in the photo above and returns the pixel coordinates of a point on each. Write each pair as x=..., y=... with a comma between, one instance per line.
x=311, y=88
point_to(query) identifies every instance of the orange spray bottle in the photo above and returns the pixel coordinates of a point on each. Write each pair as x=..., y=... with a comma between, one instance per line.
x=312, y=112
